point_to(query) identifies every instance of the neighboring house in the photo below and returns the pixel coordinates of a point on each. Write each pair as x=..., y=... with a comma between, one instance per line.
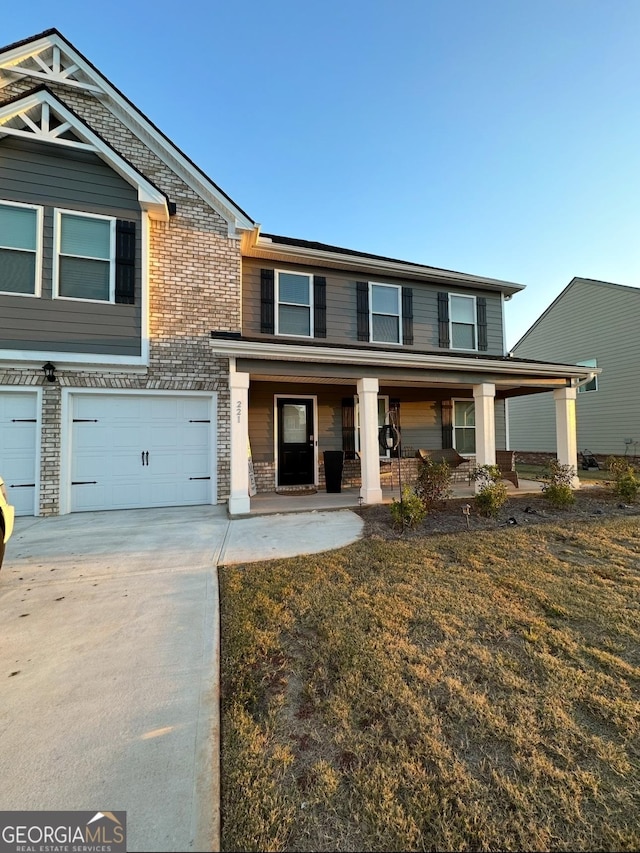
x=150, y=334
x=595, y=324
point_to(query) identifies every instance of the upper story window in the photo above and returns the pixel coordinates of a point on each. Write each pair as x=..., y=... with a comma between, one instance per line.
x=385, y=313
x=592, y=384
x=20, y=230
x=86, y=257
x=294, y=297
x=463, y=316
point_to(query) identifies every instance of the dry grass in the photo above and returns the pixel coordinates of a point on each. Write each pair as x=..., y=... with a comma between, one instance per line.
x=451, y=692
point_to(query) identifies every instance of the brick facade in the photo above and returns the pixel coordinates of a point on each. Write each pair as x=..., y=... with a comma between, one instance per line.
x=194, y=286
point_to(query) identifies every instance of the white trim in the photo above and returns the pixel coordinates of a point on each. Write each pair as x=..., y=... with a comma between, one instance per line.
x=38, y=447
x=398, y=289
x=149, y=197
x=66, y=423
x=475, y=322
x=366, y=357
x=38, y=250
x=16, y=359
x=58, y=213
x=145, y=287
x=314, y=399
x=277, y=303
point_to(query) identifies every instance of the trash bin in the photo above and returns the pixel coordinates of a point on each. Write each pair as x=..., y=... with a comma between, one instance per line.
x=333, y=463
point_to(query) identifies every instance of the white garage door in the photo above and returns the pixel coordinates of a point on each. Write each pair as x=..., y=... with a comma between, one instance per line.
x=142, y=450
x=18, y=462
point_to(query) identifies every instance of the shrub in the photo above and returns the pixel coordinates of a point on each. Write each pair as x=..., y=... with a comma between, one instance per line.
x=491, y=498
x=626, y=483
x=492, y=494
x=433, y=484
x=409, y=510
x=558, y=484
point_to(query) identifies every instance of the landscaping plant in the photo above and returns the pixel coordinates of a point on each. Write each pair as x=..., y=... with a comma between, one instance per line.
x=558, y=484
x=626, y=483
x=409, y=510
x=492, y=494
x=433, y=484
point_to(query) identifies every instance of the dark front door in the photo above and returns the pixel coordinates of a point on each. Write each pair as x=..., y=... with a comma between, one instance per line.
x=296, y=442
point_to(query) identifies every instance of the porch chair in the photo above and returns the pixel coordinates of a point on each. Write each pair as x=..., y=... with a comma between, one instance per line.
x=506, y=462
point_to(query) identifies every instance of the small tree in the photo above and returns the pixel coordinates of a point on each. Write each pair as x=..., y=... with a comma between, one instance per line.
x=558, y=484
x=626, y=483
x=433, y=483
x=409, y=510
x=492, y=494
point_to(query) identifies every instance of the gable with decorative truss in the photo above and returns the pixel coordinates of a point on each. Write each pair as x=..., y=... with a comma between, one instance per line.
x=49, y=59
x=41, y=117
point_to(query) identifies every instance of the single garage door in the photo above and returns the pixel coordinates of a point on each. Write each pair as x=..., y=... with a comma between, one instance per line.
x=140, y=450
x=18, y=455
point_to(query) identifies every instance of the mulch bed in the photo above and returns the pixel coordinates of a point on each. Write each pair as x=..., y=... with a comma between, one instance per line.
x=591, y=503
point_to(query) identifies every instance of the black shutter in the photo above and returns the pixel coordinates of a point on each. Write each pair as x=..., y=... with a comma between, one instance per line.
x=125, y=262
x=267, y=297
x=348, y=428
x=362, y=297
x=443, y=320
x=407, y=315
x=481, y=311
x=446, y=408
x=319, y=306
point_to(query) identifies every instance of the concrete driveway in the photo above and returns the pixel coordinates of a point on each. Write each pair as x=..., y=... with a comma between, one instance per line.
x=109, y=651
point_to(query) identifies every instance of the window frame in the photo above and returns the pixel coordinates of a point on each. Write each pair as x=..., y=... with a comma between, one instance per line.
x=385, y=400
x=58, y=215
x=454, y=427
x=474, y=348
x=37, y=284
x=278, y=302
x=584, y=389
x=398, y=289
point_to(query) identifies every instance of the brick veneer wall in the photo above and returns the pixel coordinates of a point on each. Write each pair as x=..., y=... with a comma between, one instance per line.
x=194, y=287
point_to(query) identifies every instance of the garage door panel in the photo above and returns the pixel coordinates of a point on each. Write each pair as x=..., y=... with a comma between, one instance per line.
x=141, y=450
x=18, y=448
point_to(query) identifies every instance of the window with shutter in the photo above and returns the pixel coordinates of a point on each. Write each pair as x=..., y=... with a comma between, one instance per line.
x=463, y=320
x=85, y=263
x=294, y=301
x=267, y=324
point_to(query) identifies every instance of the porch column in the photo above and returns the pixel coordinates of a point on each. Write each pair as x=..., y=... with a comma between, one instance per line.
x=239, y=501
x=566, y=440
x=484, y=398
x=370, y=490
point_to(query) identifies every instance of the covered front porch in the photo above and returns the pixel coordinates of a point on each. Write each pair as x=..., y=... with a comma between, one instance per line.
x=444, y=401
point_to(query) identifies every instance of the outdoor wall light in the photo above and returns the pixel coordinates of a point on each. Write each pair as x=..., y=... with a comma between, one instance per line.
x=49, y=371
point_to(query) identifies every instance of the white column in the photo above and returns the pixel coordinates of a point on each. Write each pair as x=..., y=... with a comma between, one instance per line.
x=484, y=398
x=239, y=501
x=370, y=490
x=566, y=440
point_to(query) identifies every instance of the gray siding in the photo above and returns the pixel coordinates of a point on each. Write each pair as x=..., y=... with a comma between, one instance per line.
x=589, y=320
x=51, y=178
x=341, y=308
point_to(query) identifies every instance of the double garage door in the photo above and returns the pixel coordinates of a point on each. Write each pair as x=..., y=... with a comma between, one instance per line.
x=120, y=451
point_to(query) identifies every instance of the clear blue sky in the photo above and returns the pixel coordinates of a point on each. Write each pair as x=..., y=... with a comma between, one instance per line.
x=493, y=137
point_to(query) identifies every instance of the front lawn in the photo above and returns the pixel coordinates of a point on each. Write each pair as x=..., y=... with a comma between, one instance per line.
x=469, y=691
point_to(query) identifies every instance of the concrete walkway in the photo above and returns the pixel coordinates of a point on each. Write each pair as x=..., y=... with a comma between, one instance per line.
x=109, y=648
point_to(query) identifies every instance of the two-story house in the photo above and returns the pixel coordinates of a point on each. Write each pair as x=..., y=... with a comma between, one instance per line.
x=590, y=323
x=150, y=334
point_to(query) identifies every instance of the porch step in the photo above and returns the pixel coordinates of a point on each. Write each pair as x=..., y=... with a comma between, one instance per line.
x=296, y=490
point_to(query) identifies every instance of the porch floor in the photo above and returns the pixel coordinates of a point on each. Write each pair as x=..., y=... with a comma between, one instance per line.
x=270, y=502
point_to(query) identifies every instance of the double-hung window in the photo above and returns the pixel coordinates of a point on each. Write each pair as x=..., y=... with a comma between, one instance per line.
x=462, y=313
x=294, y=297
x=464, y=426
x=85, y=256
x=20, y=238
x=385, y=313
